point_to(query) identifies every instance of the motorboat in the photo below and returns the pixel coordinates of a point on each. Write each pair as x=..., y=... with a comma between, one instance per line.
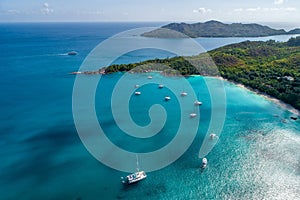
x=167, y=98
x=160, y=86
x=183, y=94
x=137, y=93
x=192, y=115
x=204, y=163
x=72, y=53
x=198, y=103
x=212, y=136
x=149, y=77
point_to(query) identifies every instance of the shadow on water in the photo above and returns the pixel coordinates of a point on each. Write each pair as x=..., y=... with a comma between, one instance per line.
x=36, y=156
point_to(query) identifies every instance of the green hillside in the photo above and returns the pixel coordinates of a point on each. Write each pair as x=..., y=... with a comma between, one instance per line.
x=215, y=29
x=270, y=67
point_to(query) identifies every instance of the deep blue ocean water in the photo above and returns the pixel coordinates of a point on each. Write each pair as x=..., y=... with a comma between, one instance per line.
x=42, y=156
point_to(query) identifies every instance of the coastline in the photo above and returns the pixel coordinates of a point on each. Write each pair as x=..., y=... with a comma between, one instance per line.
x=278, y=102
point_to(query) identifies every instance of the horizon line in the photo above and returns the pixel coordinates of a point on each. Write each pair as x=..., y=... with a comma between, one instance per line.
x=293, y=25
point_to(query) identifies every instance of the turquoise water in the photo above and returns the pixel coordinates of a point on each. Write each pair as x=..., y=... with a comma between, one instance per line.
x=42, y=156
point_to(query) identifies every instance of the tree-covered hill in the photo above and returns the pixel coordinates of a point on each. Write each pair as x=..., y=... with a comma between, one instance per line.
x=215, y=29
x=270, y=67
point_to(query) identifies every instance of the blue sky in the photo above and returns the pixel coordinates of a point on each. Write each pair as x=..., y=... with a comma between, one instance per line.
x=151, y=10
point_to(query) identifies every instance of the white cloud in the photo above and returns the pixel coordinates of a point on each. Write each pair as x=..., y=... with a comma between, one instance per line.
x=92, y=12
x=278, y=2
x=13, y=12
x=271, y=9
x=253, y=9
x=290, y=9
x=238, y=10
x=46, y=9
x=259, y=9
x=202, y=10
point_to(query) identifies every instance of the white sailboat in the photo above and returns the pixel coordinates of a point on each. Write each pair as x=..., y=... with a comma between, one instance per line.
x=134, y=177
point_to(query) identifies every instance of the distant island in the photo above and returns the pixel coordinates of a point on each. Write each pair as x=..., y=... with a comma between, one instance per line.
x=216, y=29
x=269, y=67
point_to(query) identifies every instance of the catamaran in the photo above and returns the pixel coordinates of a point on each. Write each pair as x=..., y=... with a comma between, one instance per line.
x=134, y=177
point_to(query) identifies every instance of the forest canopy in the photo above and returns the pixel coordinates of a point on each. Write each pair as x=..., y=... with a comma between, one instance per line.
x=270, y=67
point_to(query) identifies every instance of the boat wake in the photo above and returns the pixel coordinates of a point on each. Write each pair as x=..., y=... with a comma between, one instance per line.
x=62, y=54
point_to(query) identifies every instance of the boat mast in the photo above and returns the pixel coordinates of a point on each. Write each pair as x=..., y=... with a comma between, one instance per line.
x=137, y=163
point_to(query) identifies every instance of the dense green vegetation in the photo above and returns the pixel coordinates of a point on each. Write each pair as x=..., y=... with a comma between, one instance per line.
x=270, y=67
x=294, y=41
x=215, y=29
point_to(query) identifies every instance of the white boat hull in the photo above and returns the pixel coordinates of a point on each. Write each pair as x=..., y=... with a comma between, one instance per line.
x=204, y=163
x=135, y=177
